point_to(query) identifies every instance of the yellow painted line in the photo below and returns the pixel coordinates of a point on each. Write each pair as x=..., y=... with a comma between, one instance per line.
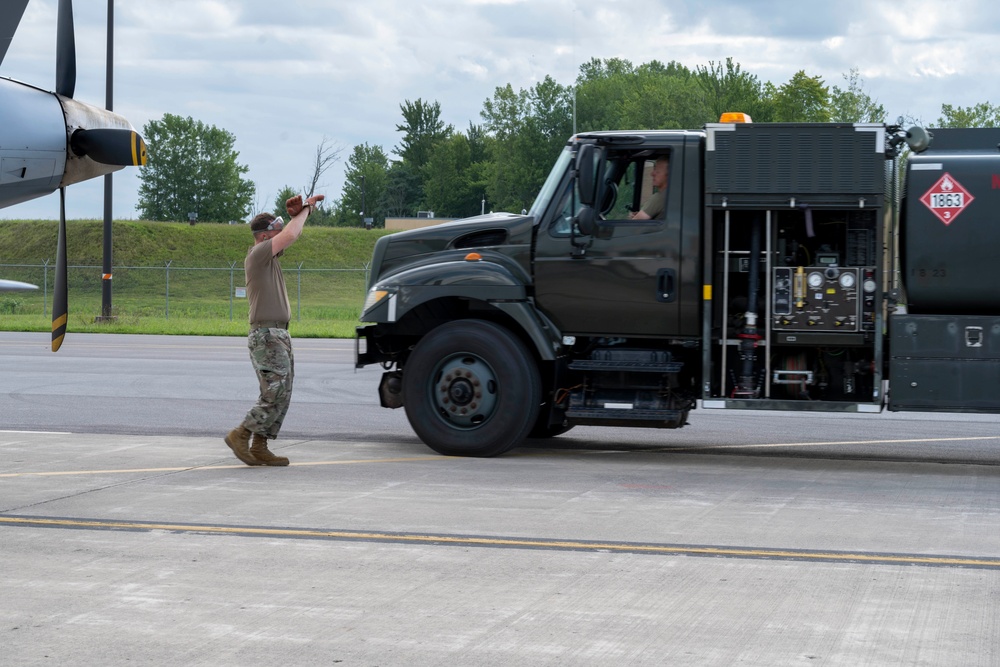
x=571, y=545
x=59, y=473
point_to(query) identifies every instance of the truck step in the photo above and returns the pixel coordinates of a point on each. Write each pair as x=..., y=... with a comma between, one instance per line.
x=612, y=414
x=622, y=365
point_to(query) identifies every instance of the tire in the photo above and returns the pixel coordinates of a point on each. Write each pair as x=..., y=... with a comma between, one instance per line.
x=471, y=388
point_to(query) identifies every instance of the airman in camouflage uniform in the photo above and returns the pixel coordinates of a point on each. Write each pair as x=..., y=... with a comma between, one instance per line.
x=269, y=343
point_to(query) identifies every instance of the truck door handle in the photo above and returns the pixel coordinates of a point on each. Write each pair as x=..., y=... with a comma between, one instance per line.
x=665, y=288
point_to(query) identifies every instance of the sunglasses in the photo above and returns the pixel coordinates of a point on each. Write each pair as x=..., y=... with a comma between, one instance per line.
x=277, y=223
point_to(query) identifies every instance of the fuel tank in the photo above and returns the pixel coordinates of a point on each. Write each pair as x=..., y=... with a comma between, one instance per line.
x=950, y=227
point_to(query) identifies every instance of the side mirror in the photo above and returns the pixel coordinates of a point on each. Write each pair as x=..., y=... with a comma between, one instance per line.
x=586, y=183
x=586, y=221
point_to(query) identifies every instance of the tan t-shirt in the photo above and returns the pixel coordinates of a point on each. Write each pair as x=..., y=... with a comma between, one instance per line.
x=266, y=285
x=654, y=205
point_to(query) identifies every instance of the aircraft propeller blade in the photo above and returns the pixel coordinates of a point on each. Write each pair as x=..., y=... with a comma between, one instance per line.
x=60, y=304
x=110, y=146
x=65, y=50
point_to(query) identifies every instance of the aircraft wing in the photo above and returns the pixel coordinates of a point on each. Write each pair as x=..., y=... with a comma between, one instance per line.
x=10, y=17
x=16, y=286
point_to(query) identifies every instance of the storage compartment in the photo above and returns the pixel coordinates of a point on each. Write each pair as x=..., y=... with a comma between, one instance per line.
x=817, y=296
x=815, y=164
x=944, y=362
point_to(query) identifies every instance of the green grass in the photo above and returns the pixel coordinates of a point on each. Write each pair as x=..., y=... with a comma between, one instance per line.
x=324, y=272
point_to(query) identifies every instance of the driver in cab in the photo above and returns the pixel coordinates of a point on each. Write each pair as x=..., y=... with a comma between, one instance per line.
x=654, y=205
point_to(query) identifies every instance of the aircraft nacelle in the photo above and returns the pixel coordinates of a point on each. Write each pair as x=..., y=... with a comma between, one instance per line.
x=32, y=142
x=48, y=141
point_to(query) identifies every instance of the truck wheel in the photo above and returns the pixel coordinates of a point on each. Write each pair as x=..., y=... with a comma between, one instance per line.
x=471, y=388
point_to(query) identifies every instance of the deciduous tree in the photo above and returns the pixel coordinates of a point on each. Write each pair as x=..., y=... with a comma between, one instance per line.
x=983, y=114
x=365, y=182
x=726, y=87
x=804, y=99
x=854, y=105
x=192, y=168
x=422, y=129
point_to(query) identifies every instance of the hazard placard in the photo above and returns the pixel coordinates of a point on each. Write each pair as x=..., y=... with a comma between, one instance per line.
x=947, y=198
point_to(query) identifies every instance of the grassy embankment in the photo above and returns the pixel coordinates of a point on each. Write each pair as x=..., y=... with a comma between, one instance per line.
x=194, y=295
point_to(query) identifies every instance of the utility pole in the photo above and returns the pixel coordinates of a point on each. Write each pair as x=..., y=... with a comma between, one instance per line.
x=109, y=97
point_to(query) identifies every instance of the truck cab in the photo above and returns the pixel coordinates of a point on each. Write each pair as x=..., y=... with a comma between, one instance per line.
x=593, y=310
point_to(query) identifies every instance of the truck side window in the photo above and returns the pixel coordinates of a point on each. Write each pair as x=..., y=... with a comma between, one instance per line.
x=629, y=182
x=650, y=200
x=619, y=192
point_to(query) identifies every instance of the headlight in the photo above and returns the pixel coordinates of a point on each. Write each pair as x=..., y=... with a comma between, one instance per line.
x=375, y=297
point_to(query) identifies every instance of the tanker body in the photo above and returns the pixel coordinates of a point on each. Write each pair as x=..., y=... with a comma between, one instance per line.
x=945, y=336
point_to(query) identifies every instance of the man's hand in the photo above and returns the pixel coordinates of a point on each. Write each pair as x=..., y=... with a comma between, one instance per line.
x=294, y=205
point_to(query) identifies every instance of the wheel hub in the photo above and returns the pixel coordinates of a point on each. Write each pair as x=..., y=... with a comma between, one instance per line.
x=465, y=391
x=461, y=392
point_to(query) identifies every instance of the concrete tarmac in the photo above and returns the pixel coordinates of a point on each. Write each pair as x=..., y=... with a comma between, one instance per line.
x=125, y=549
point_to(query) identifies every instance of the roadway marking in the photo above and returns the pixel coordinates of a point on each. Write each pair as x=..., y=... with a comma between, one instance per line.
x=57, y=473
x=759, y=553
x=414, y=459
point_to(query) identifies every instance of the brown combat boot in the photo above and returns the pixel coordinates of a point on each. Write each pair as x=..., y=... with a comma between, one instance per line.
x=239, y=440
x=263, y=455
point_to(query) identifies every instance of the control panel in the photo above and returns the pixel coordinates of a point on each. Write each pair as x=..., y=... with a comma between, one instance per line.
x=823, y=298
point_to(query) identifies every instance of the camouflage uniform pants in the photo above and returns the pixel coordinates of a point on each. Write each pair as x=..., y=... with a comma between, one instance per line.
x=271, y=355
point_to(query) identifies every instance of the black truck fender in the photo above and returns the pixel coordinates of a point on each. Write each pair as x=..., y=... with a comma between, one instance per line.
x=494, y=283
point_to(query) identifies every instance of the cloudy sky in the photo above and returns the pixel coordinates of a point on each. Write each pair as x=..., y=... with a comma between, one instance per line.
x=282, y=76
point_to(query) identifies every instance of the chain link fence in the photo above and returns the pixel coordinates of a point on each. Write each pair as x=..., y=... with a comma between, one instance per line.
x=184, y=291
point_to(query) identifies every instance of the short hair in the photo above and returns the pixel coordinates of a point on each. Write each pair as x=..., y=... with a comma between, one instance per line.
x=261, y=221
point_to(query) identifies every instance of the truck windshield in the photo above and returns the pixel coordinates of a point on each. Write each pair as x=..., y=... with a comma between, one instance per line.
x=551, y=183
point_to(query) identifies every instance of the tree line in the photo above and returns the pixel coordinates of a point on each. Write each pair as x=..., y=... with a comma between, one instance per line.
x=500, y=163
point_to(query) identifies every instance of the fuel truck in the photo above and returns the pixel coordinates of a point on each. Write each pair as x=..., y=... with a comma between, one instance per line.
x=796, y=267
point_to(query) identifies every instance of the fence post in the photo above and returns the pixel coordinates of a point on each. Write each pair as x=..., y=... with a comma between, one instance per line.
x=232, y=288
x=168, y=289
x=298, y=298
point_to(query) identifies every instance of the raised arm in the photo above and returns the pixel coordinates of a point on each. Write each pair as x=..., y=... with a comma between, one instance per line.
x=299, y=211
